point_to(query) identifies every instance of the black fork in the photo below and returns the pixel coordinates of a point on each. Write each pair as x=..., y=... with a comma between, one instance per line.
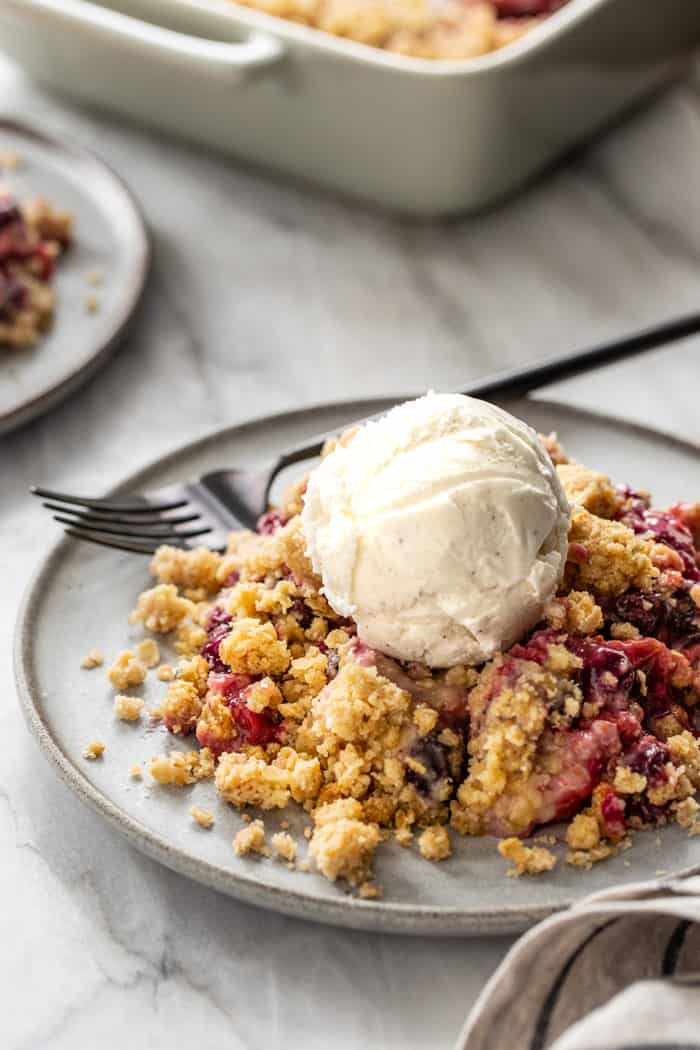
x=182, y=515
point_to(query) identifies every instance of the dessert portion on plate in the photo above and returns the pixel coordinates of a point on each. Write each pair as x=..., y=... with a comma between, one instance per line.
x=446, y=29
x=33, y=236
x=447, y=629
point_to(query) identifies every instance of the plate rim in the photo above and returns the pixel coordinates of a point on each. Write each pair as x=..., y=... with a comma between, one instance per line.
x=53, y=393
x=345, y=911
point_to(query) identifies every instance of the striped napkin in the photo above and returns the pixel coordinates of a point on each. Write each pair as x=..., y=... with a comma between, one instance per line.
x=620, y=971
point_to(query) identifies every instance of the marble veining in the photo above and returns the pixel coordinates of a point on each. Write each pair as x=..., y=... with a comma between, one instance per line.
x=266, y=296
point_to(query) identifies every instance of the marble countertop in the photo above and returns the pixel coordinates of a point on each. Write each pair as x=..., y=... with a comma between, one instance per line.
x=266, y=296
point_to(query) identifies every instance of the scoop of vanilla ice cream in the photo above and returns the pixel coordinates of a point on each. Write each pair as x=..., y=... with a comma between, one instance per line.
x=441, y=529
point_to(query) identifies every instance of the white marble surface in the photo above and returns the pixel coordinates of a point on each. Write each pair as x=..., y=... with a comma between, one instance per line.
x=264, y=297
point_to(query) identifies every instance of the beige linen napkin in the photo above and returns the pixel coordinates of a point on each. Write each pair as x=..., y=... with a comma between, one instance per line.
x=620, y=971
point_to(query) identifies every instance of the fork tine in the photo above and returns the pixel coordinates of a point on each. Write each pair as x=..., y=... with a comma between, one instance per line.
x=135, y=534
x=132, y=548
x=119, y=507
x=110, y=518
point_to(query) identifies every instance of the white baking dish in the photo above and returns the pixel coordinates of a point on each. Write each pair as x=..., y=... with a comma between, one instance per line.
x=421, y=137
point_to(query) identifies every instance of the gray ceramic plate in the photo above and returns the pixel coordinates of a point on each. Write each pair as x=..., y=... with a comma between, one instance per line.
x=109, y=238
x=81, y=597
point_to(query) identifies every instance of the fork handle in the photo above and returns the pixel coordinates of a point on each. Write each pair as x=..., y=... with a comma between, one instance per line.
x=518, y=382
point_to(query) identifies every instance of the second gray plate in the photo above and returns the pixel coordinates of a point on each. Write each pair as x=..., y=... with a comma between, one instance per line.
x=81, y=597
x=109, y=237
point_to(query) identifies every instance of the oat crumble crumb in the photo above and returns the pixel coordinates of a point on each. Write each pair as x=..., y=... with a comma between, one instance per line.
x=182, y=767
x=203, y=817
x=607, y=557
x=250, y=839
x=586, y=858
x=127, y=670
x=342, y=844
x=254, y=648
x=166, y=673
x=624, y=632
x=527, y=860
x=589, y=489
x=136, y=772
x=284, y=846
x=686, y=812
x=434, y=843
x=127, y=708
x=95, y=749
x=148, y=652
x=369, y=891
x=92, y=659
x=160, y=609
x=627, y=782
x=583, y=833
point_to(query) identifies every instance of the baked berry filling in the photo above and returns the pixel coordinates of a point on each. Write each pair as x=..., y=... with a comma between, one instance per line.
x=665, y=526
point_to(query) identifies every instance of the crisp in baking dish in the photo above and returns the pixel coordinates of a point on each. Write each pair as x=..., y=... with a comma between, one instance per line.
x=418, y=136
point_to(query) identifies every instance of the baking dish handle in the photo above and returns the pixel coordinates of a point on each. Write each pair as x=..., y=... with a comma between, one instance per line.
x=217, y=58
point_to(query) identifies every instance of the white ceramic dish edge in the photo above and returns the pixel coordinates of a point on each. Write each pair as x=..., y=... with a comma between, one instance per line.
x=350, y=117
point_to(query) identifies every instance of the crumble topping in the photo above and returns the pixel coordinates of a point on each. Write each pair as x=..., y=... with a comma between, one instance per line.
x=181, y=707
x=182, y=767
x=254, y=648
x=451, y=31
x=686, y=813
x=627, y=782
x=607, y=557
x=136, y=772
x=342, y=845
x=526, y=860
x=247, y=779
x=583, y=833
x=127, y=670
x=148, y=652
x=193, y=572
x=588, y=489
x=250, y=839
x=203, y=817
x=592, y=719
x=160, y=609
x=92, y=659
x=576, y=613
x=284, y=846
x=127, y=708
x=434, y=843
x=95, y=749
x=586, y=858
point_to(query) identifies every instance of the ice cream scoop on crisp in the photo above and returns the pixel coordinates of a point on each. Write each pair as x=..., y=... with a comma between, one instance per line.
x=441, y=529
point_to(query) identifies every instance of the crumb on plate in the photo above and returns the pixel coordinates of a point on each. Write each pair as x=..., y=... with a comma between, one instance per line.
x=95, y=749
x=94, y=658
x=526, y=860
x=127, y=708
x=250, y=839
x=203, y=817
